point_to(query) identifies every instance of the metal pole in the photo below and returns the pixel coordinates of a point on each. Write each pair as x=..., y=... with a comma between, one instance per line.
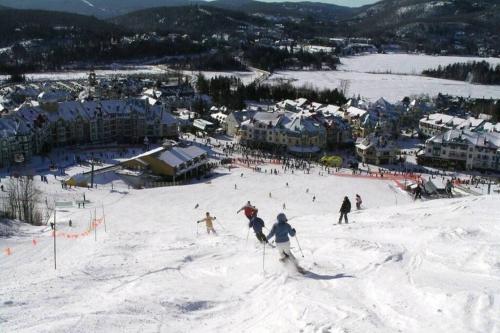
x=55, y=259
x=104, y=218
x=299, y=246
x=263, y=258
x=92, y=174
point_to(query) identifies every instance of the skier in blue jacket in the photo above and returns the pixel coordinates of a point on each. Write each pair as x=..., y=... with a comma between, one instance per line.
x=281, y=230
x=257, y=224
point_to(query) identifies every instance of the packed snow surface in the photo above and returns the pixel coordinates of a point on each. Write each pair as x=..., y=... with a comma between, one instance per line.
x=399, y=266
x=402, y=63
x=392, y=87
x=84, y=74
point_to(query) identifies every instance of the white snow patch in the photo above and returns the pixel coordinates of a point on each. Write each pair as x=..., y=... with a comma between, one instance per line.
x=88, y=3
x=402, y=266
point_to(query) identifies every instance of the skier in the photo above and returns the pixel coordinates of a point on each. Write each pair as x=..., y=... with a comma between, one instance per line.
x=209, y=223
x=314, y=198
x=270, y=196
x=358, y=202
x=344, y=210
x=196, y=206
x=418, y=192
x=257, y=224
x=248, y=209
x=448, y=188
x=284, y=206
x=281, y=230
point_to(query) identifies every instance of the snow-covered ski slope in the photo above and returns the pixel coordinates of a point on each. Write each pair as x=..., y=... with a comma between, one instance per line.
x=431, y=266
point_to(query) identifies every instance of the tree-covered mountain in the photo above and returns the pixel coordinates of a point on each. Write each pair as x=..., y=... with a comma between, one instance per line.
x=194, y=20
x=445, y=24
x=303, y=9
x=17, y=25
x=98, y=8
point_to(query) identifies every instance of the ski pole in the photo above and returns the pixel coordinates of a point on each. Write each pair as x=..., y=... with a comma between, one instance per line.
x=197, y=228
x=221, y=225
x=248, y=233
x=263, y=258
x=299, y=246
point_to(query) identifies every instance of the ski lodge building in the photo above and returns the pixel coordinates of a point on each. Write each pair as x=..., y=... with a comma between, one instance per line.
x=172, y=163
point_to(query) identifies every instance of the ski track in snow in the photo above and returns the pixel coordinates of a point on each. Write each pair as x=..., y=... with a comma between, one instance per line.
x=429, y=266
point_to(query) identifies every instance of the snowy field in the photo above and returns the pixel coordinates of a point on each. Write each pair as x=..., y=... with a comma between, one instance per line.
x=245, y=77
x=403, y=63
x=431, y=266
x=83, y=75
x=389, y=86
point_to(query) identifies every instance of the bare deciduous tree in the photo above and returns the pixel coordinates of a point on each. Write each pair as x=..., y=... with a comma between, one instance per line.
x=22, y=200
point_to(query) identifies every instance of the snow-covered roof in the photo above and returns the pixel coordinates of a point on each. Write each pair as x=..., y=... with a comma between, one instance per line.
x=355, y=112
x=180, y=155
x=486, y=140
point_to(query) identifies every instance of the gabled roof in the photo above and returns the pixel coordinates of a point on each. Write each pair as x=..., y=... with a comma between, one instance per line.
x=180, y=155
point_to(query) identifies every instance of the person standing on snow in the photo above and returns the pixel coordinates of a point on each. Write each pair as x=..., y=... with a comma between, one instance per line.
x=209, y=223
x=248, y=209
x=418, y=192
x=281, y=230
x=448, y=188
x=256, y=223
x=344, y=210
x=358, y=202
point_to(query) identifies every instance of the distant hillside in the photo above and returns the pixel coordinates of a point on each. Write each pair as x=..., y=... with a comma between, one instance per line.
x=420, y=21
x=98, y=8
x=194, y=20
x=16, y=25
x=303, y=9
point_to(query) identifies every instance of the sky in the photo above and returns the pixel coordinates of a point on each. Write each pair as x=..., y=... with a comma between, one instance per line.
x=349, y=3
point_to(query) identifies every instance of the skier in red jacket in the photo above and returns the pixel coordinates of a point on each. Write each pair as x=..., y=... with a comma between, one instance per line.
x=248, y=209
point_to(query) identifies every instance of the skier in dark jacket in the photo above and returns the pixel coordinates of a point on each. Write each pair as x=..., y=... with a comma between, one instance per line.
x=281, y=230
x=344, y=209
x=256, y=223
x=418, y=192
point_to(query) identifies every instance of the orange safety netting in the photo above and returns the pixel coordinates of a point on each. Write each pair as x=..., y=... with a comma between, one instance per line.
x=61, y=234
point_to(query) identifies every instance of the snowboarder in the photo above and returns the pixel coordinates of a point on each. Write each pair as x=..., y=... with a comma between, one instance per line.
x=248, y=209
x=418, y=192
x=256, y=223
x=281, y=229
x=358, y=202
x=209, y=222
x=344, y=210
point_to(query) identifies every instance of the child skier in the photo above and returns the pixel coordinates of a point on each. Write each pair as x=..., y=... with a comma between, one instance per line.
x=248, y=209
x=256, y=223
x=358, y=202
x=281, y=229
x=209, y=223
